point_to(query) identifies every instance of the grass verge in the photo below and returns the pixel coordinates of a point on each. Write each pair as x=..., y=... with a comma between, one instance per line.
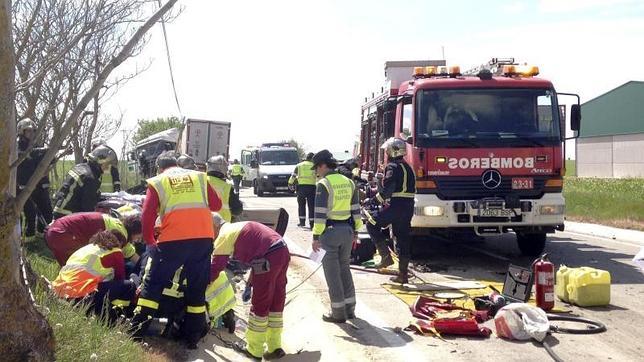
x=614, y=202
x=78, y=337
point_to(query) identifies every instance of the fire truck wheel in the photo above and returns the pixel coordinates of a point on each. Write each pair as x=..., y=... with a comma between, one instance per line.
x=531, y=244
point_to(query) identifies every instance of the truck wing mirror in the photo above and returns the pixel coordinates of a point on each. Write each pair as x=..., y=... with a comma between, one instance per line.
x=575, y=117
x=254, y=164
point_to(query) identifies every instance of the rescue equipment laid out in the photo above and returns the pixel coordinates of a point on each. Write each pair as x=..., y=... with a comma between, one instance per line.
x=584, y=286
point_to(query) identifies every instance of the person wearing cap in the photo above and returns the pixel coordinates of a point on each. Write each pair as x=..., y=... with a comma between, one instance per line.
x=70, y=233
x=38, y=210
x=216, y=168
x=336, y=225
x=114, y=171
x=183, y=200
x=262, y=248
x=397, y=194
x=303, y=178
x=236, y=173
x=81, y=189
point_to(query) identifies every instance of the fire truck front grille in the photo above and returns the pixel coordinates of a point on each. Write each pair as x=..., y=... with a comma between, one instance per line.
x=471, y=188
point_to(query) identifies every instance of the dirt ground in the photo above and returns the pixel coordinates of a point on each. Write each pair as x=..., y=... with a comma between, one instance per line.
x=376, y=335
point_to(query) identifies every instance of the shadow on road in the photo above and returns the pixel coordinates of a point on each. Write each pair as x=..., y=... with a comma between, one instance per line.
x=364, y=333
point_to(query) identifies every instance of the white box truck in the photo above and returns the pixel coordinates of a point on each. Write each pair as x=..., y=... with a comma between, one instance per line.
x=202, y=139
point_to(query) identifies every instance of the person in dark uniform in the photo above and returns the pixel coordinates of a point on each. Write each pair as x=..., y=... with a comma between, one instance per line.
x=114, y=171
x=81, y=189
x=38, y=209
x=397, y=196
x=303, y=179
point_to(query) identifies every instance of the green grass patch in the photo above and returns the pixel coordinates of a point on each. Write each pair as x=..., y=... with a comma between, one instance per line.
x=78, y=337
x=129, y=178
x=616, y=202
x=571, y=168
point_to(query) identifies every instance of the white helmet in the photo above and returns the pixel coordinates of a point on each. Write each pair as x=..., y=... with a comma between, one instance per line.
x=103, y=155
x=24, y=125
x=394, y=147
x=99, y=141
x=217, y=164
x=187, y=162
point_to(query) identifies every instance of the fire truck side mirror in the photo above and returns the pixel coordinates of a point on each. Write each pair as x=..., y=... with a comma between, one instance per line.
x=575, y=117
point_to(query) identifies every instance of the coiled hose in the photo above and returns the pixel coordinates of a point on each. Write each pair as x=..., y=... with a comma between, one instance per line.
x=591, y=327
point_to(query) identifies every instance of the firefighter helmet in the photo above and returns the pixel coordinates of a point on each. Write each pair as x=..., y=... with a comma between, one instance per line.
x=394, y=147
x=187, y=162
x=26, y=124
x=103, y=155
x=217, y=164
x=99, y=141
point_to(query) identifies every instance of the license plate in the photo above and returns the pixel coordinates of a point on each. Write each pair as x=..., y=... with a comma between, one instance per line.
x=282, y=188
x=496, y=213
x=522, y=183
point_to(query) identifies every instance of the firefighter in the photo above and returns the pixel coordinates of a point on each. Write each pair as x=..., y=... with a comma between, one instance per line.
x=265, y=250
x=304, y=177
x=187, y=162
x=97, y=271
x=337, y=221
x=216, y=170
x=397, y=196
x=80, y=190
x=183, y=201
x=70, y=233
x=237, y=173
x=114, y=171
x=38, y=206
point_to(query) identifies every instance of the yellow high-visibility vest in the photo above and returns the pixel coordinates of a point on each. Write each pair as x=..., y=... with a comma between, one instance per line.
x=305, y=176
x=223, y=189
x=237, y=170
x=220, y=296
x=340, y=191
x=83, y=272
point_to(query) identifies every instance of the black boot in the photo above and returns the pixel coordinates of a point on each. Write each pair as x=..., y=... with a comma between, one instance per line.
x=385, y=256
x=403, y=273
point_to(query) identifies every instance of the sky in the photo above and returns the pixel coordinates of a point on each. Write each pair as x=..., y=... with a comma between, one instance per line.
x=301, y=69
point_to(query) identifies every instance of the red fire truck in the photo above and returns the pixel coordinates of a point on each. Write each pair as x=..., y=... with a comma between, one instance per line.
x=487, y=146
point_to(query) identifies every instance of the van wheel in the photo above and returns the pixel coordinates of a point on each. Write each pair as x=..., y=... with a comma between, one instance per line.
x=254, y=187
x=531, y=244
x=260, y=191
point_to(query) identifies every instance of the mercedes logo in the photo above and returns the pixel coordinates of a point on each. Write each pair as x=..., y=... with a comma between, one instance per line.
x=491, y=179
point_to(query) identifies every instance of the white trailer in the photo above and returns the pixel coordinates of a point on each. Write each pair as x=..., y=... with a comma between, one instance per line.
x=202, y=139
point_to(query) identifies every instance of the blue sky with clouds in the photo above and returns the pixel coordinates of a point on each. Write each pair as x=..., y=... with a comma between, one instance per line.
x=301, y=69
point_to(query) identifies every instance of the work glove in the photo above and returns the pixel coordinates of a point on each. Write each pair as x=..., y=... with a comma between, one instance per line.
x=291, y=188
x=248, y=293
x=135, y=279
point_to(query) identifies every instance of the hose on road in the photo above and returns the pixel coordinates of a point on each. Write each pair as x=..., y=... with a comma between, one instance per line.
x=591, y=327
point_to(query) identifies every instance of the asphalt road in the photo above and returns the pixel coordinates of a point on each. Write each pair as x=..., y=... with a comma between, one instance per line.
x=376, y=336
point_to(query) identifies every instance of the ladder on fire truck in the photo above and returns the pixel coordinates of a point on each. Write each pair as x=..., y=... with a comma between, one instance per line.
x=494, y=66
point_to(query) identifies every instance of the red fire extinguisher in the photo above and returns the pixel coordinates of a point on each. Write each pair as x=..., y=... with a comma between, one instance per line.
x=544, y=281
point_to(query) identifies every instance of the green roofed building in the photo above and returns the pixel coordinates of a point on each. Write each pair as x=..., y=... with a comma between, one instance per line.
x=611, y=140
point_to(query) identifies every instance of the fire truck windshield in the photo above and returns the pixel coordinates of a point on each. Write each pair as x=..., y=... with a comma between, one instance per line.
x=482, y=117
x=278, y=157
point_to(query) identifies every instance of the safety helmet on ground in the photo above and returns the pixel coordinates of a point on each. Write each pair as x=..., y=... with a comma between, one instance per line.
x=324, y=157
x=103, y=155
x=187, y=162
x=309, y=156
x=25, y=124
x=394, y=147
x=166, y=159
x=217, y=164
x=99, y=141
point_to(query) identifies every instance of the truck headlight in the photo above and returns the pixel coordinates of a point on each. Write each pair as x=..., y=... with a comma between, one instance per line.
x=265, y=177
x=551, y=209
x=433, y=211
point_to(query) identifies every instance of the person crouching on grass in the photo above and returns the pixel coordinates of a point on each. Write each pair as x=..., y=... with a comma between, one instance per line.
x=96, y=273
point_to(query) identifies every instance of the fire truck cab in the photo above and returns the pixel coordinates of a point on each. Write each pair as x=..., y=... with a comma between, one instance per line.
x=487, y=146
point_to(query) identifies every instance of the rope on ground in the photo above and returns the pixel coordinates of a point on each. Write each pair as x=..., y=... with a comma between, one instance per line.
x=304, y=281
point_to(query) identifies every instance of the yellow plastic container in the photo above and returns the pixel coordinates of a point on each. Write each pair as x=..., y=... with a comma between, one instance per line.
x=561, y=282
x=587, y=287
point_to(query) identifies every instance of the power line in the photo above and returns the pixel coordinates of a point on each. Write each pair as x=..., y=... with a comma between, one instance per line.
x=167, y=52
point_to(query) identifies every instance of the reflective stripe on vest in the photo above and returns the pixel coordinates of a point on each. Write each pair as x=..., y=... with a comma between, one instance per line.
x=83, y=272
x=403, y=193
x=114, y=224
x=220, y=296
x=228, y=234
x=236, y=170
x=223, y=189
x=340, y=191
x=305, y=176
x=173, y=289
x=183, y=201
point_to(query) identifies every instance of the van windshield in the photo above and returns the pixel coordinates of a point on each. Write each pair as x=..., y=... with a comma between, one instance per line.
x=474, y=117
x=278, y=157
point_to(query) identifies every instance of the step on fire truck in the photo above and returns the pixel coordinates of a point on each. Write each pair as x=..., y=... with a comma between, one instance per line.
x=487, y=146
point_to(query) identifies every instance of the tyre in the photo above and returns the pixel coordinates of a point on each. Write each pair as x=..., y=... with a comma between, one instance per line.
x=254, y=188
x=260, y=191
x=531, y=244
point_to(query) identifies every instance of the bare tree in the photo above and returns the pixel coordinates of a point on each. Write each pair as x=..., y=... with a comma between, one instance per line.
x=61, y=46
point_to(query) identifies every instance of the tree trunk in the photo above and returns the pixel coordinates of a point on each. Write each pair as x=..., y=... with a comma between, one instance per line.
x=24, y=332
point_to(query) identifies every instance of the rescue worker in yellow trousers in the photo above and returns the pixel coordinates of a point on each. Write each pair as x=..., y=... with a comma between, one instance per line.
x=262, y=248
x=337, y=221
x=303, y=179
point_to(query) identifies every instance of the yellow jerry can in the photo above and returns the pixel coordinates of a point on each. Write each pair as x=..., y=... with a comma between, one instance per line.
x=587, y=287
x=561, y=282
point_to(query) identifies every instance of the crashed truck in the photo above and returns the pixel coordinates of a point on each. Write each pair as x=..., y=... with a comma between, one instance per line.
x=487, y=146
x=198, y=138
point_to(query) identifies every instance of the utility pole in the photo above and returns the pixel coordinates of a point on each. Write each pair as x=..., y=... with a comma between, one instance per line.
x=124, y=173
